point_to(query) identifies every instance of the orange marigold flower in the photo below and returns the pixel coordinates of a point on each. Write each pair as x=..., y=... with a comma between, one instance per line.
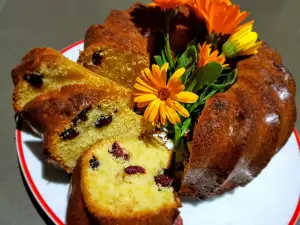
x=169, y=4
x=221, y=16
x=161, y=97
x=202, y=6
x=206, y=56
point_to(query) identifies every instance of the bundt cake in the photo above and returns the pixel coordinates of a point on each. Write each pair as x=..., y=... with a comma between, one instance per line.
x=116, y=49
x=45, y=69
x=123, y=182
x=121, y=174
x=239, y=131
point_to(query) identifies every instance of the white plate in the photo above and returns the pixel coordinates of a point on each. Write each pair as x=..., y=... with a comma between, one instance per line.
x=270, y=199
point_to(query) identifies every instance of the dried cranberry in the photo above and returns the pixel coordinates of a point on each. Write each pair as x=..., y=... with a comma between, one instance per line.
x=134, y=170
x=103, y=121
x=97, y=57
x=163, y=180
x=81, y=116
x=69, y=134
x=94, y=163
x=118, y=152
x=35, y=79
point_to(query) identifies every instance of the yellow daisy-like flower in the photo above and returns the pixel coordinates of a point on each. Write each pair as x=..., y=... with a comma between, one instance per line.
x=221, y=16
x=162, y=98
x=242, y=42
x=169, y=4
x=206, y=56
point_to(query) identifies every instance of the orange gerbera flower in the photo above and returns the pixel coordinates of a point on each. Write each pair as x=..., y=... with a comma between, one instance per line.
x=161, y=98
x=169, y=4
x=221, y=16
x=206, y=56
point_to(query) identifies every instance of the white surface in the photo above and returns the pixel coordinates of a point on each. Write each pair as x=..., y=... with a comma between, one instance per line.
x=270, y=199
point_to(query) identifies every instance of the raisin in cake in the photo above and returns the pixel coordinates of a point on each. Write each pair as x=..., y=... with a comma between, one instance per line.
x=123, y=182
x=116, y=49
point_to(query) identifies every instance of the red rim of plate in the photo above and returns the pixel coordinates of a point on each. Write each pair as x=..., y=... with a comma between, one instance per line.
x=43, y=203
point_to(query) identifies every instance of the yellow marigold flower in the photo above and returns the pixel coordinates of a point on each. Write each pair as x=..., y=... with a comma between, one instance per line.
x=169, y=4
x=206, y=56
x=242, y=42
x=161, y=98
x=221, y=16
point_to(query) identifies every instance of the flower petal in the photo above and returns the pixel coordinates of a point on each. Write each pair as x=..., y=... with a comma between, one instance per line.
x=142, y=82
x=165, y=67
x=172, y=115
x=178, y=73
x=162, y=112
x=154, y=111
x=142, y=88
x=179, y=108
x=187, y=97
x=156, y=119
x=150, y=108
x=154, y=79
x=174, y=84
x=163, y=78
x=145, y=98
x=147, y=76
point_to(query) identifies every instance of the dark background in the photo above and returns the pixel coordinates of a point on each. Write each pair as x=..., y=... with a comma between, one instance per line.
x=25, y=24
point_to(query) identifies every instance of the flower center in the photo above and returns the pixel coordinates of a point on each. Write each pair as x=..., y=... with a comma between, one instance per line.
x=164, y=94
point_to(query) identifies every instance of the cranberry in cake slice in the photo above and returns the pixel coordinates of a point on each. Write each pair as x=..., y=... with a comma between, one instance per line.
x=123, y=182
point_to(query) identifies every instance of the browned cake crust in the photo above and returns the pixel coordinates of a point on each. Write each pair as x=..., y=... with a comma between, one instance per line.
x=52, y=109
x=123, y=49
x=239, y=131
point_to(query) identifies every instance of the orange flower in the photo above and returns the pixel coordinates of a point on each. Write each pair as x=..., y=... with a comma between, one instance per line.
x=221, y=16
x=202, y=6
x=169, y=4
x=161, y=98
x=206, y=56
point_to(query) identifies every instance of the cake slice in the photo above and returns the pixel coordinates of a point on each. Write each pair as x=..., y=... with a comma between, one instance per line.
x=116, y=49
x=45, y=69
x=103, y=115
x=118, y=62
x=123, y=182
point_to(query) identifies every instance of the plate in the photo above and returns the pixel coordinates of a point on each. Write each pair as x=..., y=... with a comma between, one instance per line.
x=271, y=198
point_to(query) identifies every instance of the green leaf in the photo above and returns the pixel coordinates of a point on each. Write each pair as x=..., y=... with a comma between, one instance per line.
x=176, y=59
x=229, y=80
x=204, y=76
x=177, y=138
x=188, y=57
x=192, y=43
x=187, y=60
x=163, y=56
x=158, y=60
x=185, y=126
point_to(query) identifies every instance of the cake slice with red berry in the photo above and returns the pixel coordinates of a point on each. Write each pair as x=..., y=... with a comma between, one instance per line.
x=124, y=182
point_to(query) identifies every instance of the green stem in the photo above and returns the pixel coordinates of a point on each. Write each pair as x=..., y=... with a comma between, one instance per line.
x=168, y=50
x=177, y=138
